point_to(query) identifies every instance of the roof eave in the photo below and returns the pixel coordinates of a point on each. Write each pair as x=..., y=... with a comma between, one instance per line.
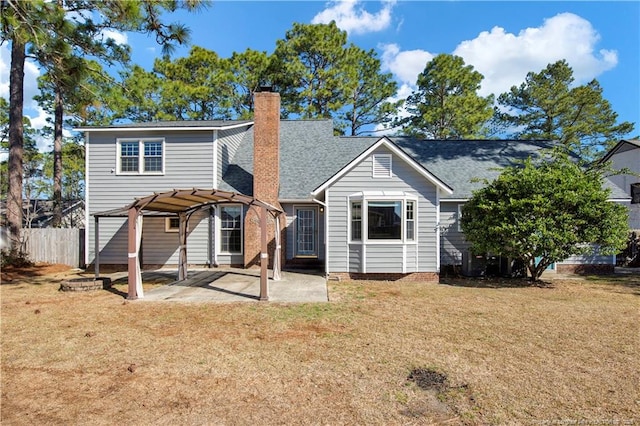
x=162, y=128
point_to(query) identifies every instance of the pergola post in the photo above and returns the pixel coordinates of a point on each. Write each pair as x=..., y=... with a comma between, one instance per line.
x=132, y=253
x=96, y=248
x=264, y=256
x=182, y=257
x=276, y=255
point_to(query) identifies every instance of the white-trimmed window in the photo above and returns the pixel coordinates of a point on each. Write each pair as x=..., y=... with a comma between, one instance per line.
x=410, y=221
x=231, y=229
x=460, y=217
x=382, y=218
x=171, y=224
x=140, y=156
x=356, y=221
x=381, y=165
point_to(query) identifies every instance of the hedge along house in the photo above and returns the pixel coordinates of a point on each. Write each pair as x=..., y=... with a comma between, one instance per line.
x=353, y=206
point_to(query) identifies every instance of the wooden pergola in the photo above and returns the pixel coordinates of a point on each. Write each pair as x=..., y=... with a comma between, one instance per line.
x=183, y=203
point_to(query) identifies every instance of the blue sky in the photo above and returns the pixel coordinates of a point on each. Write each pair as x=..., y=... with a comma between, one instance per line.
x=503, y=39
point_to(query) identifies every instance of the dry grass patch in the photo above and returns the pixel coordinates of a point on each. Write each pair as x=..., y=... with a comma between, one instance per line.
x=508, y=354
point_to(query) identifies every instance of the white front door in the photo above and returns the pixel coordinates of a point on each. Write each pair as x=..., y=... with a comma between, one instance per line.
x=306, y=231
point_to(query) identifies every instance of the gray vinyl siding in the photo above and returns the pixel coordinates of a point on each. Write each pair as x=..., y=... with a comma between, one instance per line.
x=160, y=247
x=188, y=164
x=290, y=212
x=228, y=144
x=382, y=256
x=355, y=258
x=453, y=243
x=628, y=157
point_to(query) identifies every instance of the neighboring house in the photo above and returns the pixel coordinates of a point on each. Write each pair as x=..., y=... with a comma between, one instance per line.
x=39, y=213
x=375, y=207
x=626, y=155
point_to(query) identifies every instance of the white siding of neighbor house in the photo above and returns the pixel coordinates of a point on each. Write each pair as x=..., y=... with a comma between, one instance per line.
x=594, y=258
x=453, y=243
x=628, y=157
x=188, y=164
x=382, y=256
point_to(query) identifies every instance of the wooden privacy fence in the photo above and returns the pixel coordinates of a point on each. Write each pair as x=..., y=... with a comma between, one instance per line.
x=55, y=245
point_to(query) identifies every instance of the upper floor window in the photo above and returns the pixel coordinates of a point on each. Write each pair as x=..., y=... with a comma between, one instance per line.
x=140, y=156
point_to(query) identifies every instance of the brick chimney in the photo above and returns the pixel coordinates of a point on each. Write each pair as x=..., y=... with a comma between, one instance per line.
x=266, y=173
x=266, y=146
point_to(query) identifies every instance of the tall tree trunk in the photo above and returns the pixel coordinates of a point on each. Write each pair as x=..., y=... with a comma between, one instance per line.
x=16, y=144
x=56, y=220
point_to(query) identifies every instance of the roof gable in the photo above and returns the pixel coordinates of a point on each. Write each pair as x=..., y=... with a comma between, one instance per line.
x=624, y=143
x=387, y=143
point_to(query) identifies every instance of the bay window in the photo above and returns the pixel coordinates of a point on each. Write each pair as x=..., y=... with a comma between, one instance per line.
x=382, y=218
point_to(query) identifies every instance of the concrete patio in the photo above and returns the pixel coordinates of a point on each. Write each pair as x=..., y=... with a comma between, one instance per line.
x=239, y=285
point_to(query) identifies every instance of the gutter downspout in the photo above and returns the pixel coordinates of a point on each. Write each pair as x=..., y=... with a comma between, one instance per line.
x=326, y=235
x=215, y=159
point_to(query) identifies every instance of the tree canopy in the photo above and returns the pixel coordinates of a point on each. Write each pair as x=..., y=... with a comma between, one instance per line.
x=58, y=35
x=446, y=104
x=543, y=212
x=547, y=105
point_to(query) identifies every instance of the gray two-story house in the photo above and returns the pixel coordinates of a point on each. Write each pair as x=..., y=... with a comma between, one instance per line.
x=625, y=156
x=376, y=207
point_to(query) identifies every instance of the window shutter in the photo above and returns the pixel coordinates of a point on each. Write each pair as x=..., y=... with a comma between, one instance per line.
x=382, y=165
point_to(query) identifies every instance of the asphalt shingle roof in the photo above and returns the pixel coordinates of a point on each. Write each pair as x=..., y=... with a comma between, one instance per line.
x=310, y=155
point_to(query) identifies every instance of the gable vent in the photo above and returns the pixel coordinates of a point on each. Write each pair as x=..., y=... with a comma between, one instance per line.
x=382, y=165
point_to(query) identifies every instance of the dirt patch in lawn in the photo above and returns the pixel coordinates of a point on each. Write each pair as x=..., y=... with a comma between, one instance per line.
x=379, y=353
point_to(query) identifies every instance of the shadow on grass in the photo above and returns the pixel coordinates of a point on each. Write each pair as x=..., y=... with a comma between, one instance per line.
x=493, y=282
x=630, y=281
x=117, y=292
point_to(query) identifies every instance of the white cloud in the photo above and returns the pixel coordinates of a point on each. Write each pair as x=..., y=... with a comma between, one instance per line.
x=5, y=61
x=118, y=37
x=404, y=65
x=31, y=74
x=351, y=17
x=505, y=58
x=36, y=114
